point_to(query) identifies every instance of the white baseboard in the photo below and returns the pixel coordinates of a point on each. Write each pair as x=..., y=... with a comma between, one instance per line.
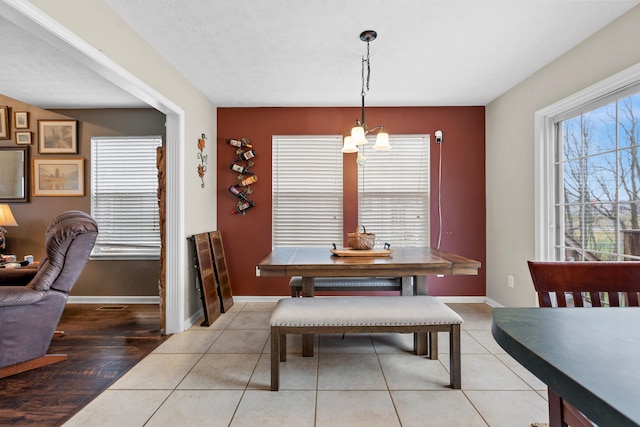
x=193, y=319
x=445, y=299
x=492, y=303
x=114, y=300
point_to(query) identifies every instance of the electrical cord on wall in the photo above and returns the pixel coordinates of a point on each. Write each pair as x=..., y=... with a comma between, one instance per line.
x=439, y=196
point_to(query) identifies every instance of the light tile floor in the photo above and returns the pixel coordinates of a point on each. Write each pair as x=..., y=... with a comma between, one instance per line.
x=220, y=376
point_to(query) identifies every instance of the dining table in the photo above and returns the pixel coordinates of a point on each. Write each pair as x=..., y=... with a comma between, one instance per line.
x=588, y=357
x=412, y=264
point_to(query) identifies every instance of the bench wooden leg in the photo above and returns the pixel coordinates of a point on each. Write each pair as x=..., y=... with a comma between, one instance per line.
x=421, y=343
x=283, y=347
x=275, y=358
x=307, y=340
x=432, y=338
x=455, y=374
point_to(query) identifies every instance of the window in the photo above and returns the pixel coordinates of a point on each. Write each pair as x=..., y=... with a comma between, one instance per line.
x=590, y=170
x=394, y=191
x=307, y=190
x=124, y=197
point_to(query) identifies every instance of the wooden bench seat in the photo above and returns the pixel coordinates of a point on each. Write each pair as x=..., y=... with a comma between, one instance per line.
x=347, y=284
x=410, y=314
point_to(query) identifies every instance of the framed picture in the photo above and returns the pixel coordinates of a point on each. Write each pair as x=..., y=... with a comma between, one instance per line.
x=14, y=174
x=23, y=138
x=21, y=120
x=58, y=177
x=57, y=137
x=4, y=123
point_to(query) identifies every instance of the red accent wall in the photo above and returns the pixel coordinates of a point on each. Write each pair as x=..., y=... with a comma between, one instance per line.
x=247, y=239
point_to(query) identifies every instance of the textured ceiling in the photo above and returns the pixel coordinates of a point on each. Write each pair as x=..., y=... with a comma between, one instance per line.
x=308, y=53
x=33, y=71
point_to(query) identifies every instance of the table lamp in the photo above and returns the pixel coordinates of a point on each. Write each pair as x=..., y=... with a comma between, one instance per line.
x=6, y=219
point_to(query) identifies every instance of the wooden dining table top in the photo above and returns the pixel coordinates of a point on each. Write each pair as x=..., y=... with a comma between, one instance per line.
x=402, y=261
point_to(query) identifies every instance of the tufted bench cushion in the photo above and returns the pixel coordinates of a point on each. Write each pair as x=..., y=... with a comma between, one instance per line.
x=347, y=284
x=410, y=314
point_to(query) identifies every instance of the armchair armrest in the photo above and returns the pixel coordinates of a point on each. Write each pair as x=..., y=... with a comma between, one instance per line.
x=16, y=276
x=19, y=295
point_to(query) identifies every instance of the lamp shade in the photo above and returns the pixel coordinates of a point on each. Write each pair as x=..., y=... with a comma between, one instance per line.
x=6, y=216
x=357, y=135
x=349, y=146
x=382, y=141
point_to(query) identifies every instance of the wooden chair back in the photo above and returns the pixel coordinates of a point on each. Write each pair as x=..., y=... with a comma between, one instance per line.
x=594, y=283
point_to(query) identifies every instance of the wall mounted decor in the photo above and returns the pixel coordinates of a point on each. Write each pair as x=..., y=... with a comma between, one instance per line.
x=4, y=123
x=21, y=120
x=57, y=136
x=23, y=138
x=14, y=176
x=202, y=167
x=58, y=177
x=242, y=164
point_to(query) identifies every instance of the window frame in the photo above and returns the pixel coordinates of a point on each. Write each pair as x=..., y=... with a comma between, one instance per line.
x=545, y=146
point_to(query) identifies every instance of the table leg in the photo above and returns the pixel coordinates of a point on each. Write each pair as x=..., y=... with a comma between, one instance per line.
x=421, y=287
x=406, y=283
x=422, y=342
x=307, y=340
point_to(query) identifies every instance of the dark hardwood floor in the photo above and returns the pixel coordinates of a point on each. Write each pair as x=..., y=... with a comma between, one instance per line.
x=102, y=343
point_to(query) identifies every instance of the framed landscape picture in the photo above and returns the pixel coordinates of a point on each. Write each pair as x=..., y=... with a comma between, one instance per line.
x=4, y=123
x=23, y=138
x=21, y=119
x=57, y=137
x=58, y=176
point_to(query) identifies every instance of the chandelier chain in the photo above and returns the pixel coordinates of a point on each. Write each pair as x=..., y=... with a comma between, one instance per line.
x=366, y=61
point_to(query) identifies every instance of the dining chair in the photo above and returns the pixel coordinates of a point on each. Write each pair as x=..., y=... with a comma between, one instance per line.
x=582, y=284
x=588, y=283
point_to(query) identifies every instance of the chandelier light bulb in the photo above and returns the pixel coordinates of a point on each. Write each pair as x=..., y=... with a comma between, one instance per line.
x=357, y=135
x=349, y=146
x=382, y=141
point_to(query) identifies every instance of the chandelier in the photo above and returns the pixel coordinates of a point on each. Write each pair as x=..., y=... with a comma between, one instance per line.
x=360, y=130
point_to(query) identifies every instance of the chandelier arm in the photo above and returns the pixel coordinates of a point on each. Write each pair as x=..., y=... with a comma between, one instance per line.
x=367, y=131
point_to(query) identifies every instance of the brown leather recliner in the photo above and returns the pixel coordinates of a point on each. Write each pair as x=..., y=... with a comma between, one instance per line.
x=29, y=314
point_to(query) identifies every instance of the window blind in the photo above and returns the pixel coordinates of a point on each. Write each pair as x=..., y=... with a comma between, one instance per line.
x=124, y=197
x=393, y=190
x=306, y=190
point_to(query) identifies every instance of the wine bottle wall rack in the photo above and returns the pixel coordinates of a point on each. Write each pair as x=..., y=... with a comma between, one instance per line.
x=242, y=164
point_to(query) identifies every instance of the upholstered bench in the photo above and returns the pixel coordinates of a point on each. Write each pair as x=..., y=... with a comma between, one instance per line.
x=347, y=284
x=409, y=314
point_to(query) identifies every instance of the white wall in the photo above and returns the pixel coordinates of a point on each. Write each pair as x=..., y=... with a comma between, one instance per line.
x=510, y=150
x=94, y=22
